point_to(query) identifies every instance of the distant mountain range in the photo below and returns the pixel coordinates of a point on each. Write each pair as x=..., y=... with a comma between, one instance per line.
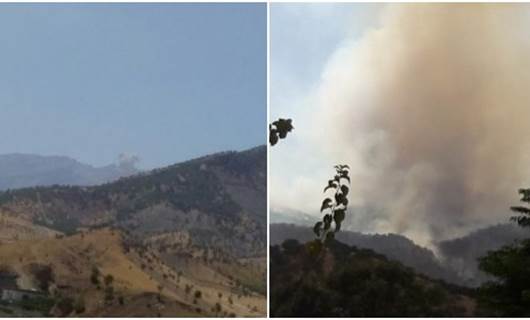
x=28, y=170
x=461, y=254
x=395, y=247
x=197, y=229
x=292, y=217
x=458, y=257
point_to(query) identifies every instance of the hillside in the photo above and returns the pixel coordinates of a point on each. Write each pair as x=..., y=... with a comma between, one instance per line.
x=461, y=254
x=216, y=201
x=142, y=284
x=28, y=170
x=201, y=223
x=337, y=280
x=393, y=246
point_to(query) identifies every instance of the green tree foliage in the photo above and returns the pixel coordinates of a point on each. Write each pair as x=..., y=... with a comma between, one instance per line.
x=344, y=281
x=279, y=129
x=509, y=294
x=334, y=208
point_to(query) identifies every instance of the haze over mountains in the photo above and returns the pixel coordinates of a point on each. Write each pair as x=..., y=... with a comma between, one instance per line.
x=455, y=260
x=187, y=239
x=28, y=170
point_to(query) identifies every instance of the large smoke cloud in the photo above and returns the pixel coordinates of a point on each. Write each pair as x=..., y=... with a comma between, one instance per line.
x=433, y=110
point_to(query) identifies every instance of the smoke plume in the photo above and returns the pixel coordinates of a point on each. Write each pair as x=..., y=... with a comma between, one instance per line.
x=128, y=161
x=433, y=110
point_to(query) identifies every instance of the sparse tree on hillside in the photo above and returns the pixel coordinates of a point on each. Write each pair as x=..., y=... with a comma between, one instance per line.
x=94, y=277
x=159, y=295
x=187, y=289
x=108, y=280
x=217, y=309
x=43, y=274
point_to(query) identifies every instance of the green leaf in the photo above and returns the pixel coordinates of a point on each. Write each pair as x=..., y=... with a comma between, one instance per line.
x=283, y=126
x=344, y=189
x=273, y=137
x=327, y=221
x=522, y=210
x=331, y=184
x=345, y=176
x=338, y=216
x=525, y=195
x=341, y=199
x=317, y=228
x=326, y=204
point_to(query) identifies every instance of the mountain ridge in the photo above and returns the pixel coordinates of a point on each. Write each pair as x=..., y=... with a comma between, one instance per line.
x=332, y=279
x=21, y=170
x=455, y=261
x=203, y=220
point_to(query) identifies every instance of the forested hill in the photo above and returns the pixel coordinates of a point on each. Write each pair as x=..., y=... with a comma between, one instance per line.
x=219, y=200
x=393, y=246
x=337, y=280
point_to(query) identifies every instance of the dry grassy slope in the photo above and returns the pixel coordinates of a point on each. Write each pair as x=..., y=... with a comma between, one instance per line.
x=14, y=228
x=216, y=281
x=72, y=259
x=200, y=210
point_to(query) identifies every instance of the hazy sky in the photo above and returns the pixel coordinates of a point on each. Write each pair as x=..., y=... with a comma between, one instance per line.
x=303, y=39
x=427, y=103
x=166, y=82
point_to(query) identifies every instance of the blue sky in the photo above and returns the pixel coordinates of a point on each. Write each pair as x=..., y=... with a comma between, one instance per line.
x=166, y=82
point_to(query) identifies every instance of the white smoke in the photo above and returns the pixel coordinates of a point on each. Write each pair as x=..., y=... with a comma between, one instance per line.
x=432, y=110
x=128, y=161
